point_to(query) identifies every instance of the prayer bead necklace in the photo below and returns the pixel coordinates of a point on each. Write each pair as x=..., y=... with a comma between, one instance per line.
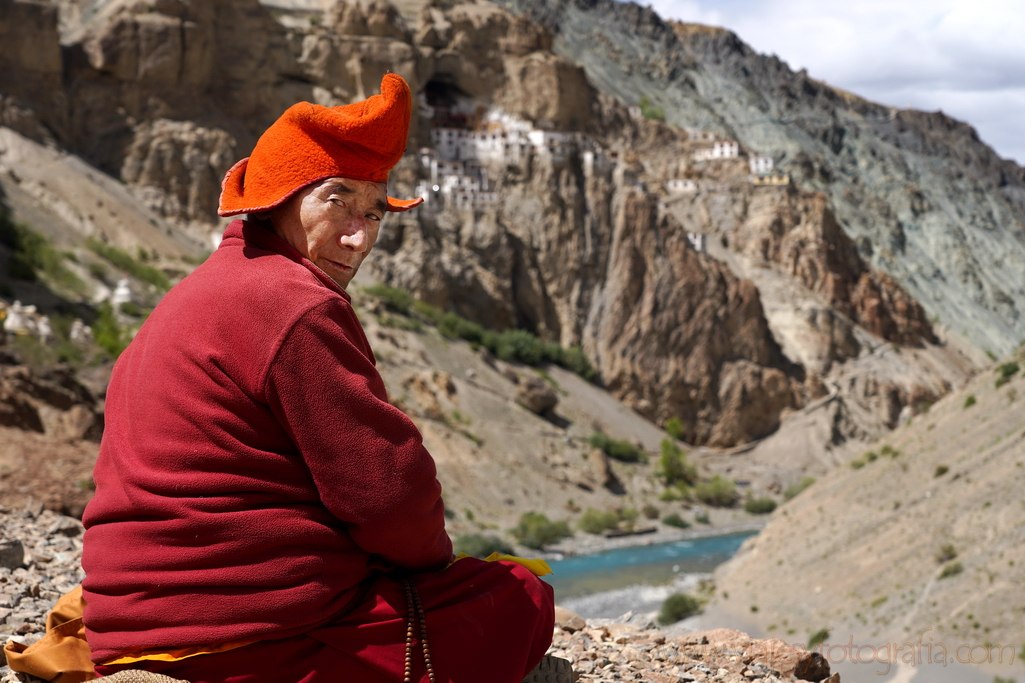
x=414, y=612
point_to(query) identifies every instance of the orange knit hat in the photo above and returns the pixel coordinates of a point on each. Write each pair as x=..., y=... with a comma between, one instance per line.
x=309, y=142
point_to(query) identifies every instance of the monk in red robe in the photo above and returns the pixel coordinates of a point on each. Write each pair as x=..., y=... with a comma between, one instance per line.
x=262, y=512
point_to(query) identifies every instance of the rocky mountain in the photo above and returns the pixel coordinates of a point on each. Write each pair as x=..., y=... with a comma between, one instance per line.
x=924, y=200
x=593, y=225
x=919, y=540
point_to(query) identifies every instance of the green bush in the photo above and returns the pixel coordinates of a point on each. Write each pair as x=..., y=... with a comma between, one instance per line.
x=702, y=518
x=969, y=401
x=817, y=638
x=951, y=569
x=759, y=506
x=717, y=491
x=674, y=519
x=623, y=451
x=673, y=466
x=535, y=530
x=520, y=346
x=798, y=487
x=481, y=545
x=394, y=299
x=940, y=470
x=650, y=111
x=649, y=511
x=598, y=521
x=678, y=606
x=1005, y=372
x=108, y=333
x=33, y=255
x=946, y=553
x=674, y=428
x=125, y=262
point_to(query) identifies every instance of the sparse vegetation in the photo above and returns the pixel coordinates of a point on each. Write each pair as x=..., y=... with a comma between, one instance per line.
x=817, y=638
x=598, y=521
x=889, y=451
x=951, y=569
x=673, y=467
x=1005, y=372
x=623, y=451
x=32, y=255
x=481, y=545
x=651, y=111
x=797, y=487
x=125, y=262
x=717, y=491
x=649, y=511
x=535, y=530
x=519, y=346
x=759, y=506
x=678, y=606
x=674, y=519
x=941, y=470
x=702, y=518
x=674, y=428
x=946, y=553
x=108, y=333
x=969, y=401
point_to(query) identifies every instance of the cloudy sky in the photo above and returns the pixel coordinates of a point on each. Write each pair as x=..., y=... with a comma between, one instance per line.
x=965, y=57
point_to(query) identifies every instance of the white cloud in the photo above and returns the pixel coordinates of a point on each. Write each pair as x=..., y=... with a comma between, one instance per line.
x=963, y=57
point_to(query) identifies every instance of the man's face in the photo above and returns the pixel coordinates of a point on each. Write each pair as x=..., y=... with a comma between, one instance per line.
x=334, y=223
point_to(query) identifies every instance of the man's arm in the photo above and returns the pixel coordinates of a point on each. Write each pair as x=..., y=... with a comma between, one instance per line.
x=366, y=457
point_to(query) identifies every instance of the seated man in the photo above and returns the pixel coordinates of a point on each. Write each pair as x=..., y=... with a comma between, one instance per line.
x=262, y=513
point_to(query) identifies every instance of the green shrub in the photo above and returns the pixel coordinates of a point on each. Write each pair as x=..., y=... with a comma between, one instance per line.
x=535, y=530
x=674, y=428
x=817, y=638
x=798, y=487
x=394, y=299
x=623, y=451
x=481, y=545
x=125, y=262
x=946, y=553
x=889, y=451
x=598, y=521
x=674, y=519
x=940, y=470
x=108, y=333
x=857, y=463
x=678, y=606
x=759, y=506
x=951, y=569
x=702, y=518
x=33, y=255
x=717, y=491
x=649, y=511
x=520, y=346
x=969, y=401
x=1005, y=372
x=673, y=466
x=650, y=111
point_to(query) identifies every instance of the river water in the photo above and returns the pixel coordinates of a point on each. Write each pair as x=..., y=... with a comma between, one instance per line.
x=637, y=579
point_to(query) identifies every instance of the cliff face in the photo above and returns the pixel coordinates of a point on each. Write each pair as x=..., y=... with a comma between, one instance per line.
x=921, y=196
x=581, y=244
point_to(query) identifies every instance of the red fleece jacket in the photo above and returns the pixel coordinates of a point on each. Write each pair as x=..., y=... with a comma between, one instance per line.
x=252, y=472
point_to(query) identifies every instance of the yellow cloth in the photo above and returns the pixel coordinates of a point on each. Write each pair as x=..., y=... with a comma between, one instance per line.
x=536, y=566
x=62, y=655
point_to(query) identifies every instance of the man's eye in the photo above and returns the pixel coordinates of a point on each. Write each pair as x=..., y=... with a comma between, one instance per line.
x=338, y=201
x=373, y=217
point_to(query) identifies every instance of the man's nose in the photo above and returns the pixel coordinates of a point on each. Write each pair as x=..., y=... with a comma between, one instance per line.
x=356, y=235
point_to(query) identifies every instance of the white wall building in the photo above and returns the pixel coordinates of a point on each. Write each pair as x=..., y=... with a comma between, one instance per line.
x=681, y=186
x=760, y=165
